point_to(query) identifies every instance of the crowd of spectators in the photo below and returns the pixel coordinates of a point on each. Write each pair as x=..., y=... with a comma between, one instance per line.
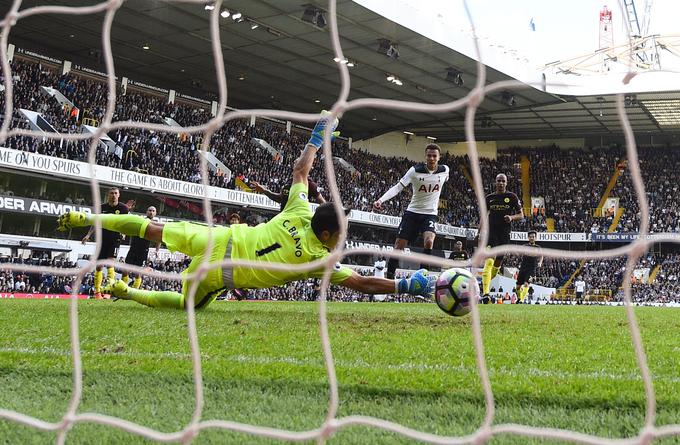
x=606, y=276
x=600, y=276
x=170, y=155
x=553, y=273
x=571, y=181
x=658, y=168
x=665, y=287
x=169, y=266
x=45, y=283
x=37, y=283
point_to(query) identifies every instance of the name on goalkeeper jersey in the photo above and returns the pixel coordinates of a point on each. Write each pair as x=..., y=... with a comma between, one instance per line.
x=293, y=232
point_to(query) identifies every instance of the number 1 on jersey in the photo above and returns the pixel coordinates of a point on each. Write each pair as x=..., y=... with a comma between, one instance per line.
x=268, y=249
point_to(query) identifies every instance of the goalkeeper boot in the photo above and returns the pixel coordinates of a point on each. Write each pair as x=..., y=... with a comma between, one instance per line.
x=72, y=219
x=118, y=290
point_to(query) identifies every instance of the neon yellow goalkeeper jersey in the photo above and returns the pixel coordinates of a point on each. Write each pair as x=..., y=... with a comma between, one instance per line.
x=287, y=238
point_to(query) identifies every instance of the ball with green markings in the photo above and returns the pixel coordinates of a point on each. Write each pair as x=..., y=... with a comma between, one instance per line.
x=455, y=290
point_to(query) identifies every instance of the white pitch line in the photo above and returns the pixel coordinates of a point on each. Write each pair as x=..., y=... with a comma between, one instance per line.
x=354, y=364
x=65, y=353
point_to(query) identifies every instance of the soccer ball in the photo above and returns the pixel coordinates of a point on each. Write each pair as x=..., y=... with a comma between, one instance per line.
x=454, y=290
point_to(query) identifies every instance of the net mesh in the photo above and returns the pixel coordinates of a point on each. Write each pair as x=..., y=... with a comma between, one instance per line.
x=648, y=432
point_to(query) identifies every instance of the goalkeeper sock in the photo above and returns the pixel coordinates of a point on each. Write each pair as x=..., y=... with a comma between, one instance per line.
x=426, y=252
x=494, y=271
x=125, y=278
x=98, y=278
x=138, y=283
x=392, y=267
x=110, y=274
x=486, y=276
x=131, y=225
x=525, y=291
x=163, y=299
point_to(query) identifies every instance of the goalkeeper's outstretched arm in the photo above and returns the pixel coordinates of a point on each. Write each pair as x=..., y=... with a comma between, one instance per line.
x=303, y=164
x=420, y=283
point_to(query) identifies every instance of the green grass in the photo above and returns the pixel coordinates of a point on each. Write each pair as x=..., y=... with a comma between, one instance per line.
x=551, y=366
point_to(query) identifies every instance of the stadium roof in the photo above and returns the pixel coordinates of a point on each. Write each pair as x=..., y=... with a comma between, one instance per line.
x=287, y=62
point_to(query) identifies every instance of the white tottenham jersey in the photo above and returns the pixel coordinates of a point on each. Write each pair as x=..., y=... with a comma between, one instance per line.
x=580, y=286
x=426, y=188
x=379, y=269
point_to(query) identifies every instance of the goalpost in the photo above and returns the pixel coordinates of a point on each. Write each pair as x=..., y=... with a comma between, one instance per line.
x=332, y=422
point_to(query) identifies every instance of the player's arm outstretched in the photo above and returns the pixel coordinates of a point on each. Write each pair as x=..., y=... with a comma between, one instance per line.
x=319, y=198
x=88, y=235
x=420, y=283
x=303, y=164
x=259, y=188
x=394, y=190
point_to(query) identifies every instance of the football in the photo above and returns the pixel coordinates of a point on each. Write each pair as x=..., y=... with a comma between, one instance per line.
x=454, y=290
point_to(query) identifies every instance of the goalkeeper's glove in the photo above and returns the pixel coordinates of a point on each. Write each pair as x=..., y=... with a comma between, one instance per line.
x=420, y=283
x=320, y=129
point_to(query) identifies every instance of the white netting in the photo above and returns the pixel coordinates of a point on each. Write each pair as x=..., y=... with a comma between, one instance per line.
x=332, y=423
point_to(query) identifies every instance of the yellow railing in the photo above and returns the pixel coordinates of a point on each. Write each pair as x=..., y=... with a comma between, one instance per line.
x=591, y=294
x=610, y=186
x=566, y=285
x=526, y=184
x=550, y=224
x=615, y=222
x=653, y=274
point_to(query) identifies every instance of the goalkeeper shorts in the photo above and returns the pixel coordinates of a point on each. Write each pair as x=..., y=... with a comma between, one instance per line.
x=192, y=239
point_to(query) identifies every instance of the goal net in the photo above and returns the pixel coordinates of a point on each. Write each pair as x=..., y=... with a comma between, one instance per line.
x=332, y=423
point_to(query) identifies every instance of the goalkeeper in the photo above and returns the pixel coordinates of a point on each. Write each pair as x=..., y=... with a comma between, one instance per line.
x=294, y=236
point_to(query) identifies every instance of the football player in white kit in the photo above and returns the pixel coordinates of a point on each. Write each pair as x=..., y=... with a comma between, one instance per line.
x=379, y=271
x=426, y=180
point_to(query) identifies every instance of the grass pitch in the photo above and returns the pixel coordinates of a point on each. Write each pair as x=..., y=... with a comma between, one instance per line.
x=555, y=366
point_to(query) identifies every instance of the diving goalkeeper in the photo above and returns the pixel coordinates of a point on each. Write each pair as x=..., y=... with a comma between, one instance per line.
x=294, y=236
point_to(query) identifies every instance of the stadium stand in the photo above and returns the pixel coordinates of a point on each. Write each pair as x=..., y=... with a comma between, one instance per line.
x=599, y=275
x=571, y=204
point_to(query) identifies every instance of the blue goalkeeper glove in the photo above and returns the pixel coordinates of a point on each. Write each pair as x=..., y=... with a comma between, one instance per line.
x=420, y=283
x=320, y=129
